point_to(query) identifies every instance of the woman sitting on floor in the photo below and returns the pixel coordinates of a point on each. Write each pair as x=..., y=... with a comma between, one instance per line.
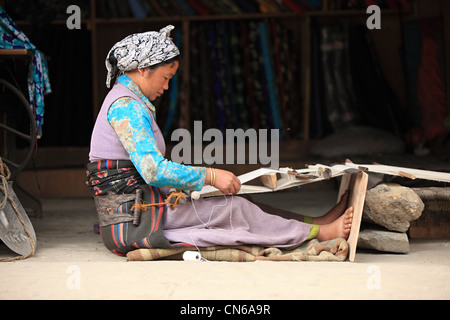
x=127, y=154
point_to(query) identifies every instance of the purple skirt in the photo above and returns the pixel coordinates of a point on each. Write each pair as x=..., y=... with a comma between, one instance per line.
x=231, y=221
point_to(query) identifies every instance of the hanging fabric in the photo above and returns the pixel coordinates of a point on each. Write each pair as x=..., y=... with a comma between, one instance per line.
x=11, y=37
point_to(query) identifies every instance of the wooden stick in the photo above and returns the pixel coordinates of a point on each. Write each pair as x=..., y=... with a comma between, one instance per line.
x=405, y=172
x=357, y=185
x=406, y=175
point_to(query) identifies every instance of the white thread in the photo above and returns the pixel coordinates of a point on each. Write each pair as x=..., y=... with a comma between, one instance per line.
x=206, y=225
x=198, y=217
x=231, y=213
x=199, y=252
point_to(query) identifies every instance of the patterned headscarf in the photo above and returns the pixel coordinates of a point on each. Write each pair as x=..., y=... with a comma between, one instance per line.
x=139, y=50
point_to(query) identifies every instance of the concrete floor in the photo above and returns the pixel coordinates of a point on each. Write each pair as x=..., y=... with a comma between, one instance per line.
x=71, y=263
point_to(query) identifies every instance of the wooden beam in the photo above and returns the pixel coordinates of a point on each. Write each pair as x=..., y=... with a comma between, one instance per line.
x=95, y=67
x=185, y=96
x=14, y=53
x=403, y=172
x=306, y=74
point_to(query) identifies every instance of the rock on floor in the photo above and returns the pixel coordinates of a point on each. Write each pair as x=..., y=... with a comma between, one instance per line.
x=392, y=206
x=381, y=240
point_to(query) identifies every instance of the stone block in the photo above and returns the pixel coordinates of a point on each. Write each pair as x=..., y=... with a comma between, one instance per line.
x=392, y=206
x=383, y=240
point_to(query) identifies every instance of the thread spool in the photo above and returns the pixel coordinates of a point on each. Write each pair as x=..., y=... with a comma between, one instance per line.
x=192, y=256
x=195, y=195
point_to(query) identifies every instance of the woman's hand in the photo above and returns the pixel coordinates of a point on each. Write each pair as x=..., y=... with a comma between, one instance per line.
x=223, y=180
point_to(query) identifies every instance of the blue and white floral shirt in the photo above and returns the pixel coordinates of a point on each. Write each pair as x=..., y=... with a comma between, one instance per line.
x=134, y=127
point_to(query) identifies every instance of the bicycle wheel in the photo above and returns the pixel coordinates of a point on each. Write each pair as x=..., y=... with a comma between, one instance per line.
x=17, y=128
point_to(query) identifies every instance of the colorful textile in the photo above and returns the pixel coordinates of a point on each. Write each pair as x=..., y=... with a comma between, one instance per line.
x=113, y=183
x=123, y=237
x=116, y=176
x=239, y=89
x=11, y=37
x=134, y=127
x=139, y=50
x=334, y=250
x=431, y=81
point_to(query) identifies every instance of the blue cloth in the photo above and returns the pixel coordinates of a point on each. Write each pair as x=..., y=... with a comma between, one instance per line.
x=11, y=37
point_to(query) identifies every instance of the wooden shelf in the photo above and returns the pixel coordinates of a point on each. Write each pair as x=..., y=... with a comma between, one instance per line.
x=53, y=23
x=197, y=18
x=14, y=53
x=104, y=30
x=213, y=17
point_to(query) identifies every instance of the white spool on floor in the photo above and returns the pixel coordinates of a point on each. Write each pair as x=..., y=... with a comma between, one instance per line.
x=192, y=256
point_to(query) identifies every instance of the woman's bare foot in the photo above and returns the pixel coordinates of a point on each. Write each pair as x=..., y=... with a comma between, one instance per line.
x=335, y=212
x=340, y=228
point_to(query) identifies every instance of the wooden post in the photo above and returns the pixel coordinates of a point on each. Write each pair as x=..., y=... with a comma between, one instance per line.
x=446, y=18
x=306, y=73
x=357, y=185
x=95, y=70
x=185, y=90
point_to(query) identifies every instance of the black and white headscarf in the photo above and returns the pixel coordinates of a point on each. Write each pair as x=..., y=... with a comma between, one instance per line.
x=139, y=50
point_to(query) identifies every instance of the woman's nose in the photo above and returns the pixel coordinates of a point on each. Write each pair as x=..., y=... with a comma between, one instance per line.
x=166, y=85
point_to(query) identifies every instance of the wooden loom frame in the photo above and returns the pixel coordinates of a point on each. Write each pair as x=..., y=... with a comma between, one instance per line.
x=353, y=179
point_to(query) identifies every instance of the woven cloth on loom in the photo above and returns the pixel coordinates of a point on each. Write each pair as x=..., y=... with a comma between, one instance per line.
x=333, y=250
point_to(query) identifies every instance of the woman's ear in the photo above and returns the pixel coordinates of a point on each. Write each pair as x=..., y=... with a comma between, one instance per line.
x=141, y=71
x=144, y=72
